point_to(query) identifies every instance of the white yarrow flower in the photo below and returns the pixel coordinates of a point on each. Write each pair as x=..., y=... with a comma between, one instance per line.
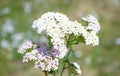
x=25, y=46
x=46, y=63
x=30, y=56
x=93, y=24
x=90, y=38
x=56, y=26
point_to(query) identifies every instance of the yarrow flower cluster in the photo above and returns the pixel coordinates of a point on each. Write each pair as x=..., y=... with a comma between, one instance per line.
x=41, y=55
x=57, y=27
x=93, y=24
x=51, y=24
x=25, y=46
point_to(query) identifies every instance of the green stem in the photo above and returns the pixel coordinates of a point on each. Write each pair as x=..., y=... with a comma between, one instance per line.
x=66, y=58
x=62, y=69
x=54, y=75
x=69, y=45
x=45, y=72
x=69, y=70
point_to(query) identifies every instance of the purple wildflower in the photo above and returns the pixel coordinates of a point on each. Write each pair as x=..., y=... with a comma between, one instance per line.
x=55, y=52
x=43, y=49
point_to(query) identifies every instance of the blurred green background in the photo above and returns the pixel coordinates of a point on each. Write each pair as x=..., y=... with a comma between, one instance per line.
x=16, y=17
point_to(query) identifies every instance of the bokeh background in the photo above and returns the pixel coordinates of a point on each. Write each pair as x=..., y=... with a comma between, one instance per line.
x=16, y=17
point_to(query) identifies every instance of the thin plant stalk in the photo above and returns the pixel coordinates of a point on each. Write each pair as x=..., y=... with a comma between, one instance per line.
x=66, y=57
x=45, y=72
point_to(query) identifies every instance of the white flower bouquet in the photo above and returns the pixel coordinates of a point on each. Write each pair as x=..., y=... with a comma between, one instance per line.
x=51, y=56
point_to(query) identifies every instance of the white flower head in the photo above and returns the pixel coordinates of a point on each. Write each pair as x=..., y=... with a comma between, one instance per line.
x=90, y=38
x=25, y=46
x=47, y=20
x=52, y=24
x=93, y=24
x=30, y=56
x=46, y=63
x=43, y=58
